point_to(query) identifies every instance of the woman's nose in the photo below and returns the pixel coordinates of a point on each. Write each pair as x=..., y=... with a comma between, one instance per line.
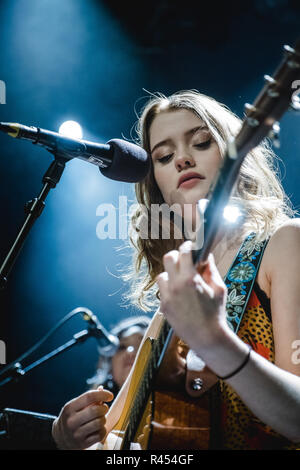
x=184, y=160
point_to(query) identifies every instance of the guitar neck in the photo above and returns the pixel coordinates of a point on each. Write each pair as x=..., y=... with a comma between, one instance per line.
x=274, y=99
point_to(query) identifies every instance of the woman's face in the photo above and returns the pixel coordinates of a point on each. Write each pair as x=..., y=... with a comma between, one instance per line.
x=185, y=157
x=124, y=358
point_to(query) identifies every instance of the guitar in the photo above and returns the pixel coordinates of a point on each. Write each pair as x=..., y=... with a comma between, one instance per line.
x=148, y=414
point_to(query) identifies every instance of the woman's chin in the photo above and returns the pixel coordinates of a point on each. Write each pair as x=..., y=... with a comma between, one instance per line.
x=187, y=196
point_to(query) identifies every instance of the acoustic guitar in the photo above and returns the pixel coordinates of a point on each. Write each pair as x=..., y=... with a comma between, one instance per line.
x=154, y=418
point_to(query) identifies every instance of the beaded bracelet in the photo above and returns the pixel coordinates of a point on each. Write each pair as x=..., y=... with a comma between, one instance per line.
x=240, y=367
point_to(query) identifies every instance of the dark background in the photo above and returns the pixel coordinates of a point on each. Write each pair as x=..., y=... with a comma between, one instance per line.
x=94, y=62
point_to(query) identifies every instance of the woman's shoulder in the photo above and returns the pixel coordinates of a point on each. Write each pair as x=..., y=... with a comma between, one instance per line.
x=288, y=232
x=283, y=244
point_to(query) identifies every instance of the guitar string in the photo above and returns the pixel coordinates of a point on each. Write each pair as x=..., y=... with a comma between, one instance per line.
x=144, y=390
x=131, y=412
x=143, y=394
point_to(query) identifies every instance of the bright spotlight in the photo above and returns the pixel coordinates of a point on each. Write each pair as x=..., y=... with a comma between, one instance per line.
x=231, y=213
x=71, y=129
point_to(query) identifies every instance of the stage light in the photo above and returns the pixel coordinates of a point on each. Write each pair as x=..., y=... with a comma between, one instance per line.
x=71, y=129
x=231, y=213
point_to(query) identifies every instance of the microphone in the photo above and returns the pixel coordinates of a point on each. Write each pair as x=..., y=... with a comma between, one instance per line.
x=117, y=159
x=107, y=343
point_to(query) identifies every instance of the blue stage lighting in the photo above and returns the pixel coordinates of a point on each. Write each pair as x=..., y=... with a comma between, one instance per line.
x=71, y=129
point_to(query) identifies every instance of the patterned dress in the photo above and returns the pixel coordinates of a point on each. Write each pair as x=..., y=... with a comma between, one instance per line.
x=240, y=428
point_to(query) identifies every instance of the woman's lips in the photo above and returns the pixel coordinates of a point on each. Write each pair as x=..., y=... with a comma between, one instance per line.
x=189, y=179
x=190, y=183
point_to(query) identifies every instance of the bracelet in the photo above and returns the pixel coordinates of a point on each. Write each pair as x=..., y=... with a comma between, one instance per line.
x=240, y=367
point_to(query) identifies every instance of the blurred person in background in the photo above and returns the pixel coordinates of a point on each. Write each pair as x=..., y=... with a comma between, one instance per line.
x=26, y=430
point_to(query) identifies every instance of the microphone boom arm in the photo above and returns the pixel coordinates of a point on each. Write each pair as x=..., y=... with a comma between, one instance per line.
x=17, y=371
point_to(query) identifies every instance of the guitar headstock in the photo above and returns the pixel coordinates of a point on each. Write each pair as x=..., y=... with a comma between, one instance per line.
x=278, y=95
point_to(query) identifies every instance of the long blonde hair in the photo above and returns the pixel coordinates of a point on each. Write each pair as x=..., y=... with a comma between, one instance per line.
x=264, y=202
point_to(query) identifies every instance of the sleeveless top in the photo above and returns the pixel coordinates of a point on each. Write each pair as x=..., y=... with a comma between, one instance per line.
x=238, y=426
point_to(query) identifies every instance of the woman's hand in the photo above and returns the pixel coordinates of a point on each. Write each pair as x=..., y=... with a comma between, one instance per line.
x=193, y=303
x=172, y=371
x=81, y=422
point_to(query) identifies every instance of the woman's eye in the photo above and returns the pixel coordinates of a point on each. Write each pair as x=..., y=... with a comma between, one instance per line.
x=165, y=159
x=203, y=145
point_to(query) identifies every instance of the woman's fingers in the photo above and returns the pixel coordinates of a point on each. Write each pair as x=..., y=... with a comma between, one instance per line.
x=82, y=418
x=95, y=428
x=92, y=439
x=170, y=264
x=180, y=271
x=192, y=301
x=88, y=414
x=162, y=282
x=212, y=276
x=87, y=398
x=179, y=262
x=185, y=261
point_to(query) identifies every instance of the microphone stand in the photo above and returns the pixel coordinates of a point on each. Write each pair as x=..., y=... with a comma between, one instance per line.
x=33, y=208
x=17, y=371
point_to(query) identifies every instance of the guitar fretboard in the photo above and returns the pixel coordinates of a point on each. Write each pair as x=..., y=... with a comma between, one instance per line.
x=158, y=348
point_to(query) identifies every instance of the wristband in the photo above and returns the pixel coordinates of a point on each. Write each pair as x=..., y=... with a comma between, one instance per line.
x=240, y=367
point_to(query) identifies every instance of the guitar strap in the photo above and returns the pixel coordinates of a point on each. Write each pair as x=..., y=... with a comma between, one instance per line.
x=239, y=281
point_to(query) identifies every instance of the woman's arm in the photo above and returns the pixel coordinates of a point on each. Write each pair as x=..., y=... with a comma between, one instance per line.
x=194, y=305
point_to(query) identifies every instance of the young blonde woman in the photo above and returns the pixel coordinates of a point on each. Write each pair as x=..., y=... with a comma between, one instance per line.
x=258, y=388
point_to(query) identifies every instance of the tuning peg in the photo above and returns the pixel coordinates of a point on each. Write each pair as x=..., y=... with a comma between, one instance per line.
x=289, y=49
x=293, y=64
x=274, y=134
x=249, y=108
x=272, y=83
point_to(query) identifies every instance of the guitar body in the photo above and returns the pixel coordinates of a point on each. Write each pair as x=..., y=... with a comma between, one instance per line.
x=175, y=421
x=170, y=419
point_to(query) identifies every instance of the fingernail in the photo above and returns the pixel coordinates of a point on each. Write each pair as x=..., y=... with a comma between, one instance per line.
x=186, y=246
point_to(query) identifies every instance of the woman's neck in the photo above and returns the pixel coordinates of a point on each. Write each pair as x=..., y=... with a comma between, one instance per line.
x=226, y=246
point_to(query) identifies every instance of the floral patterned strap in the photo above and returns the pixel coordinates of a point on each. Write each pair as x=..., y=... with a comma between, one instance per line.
x=240, y=279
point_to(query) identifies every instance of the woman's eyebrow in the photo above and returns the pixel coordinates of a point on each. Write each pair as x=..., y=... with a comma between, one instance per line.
x=193, y=131
x=187, y=133
x=160, y=144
